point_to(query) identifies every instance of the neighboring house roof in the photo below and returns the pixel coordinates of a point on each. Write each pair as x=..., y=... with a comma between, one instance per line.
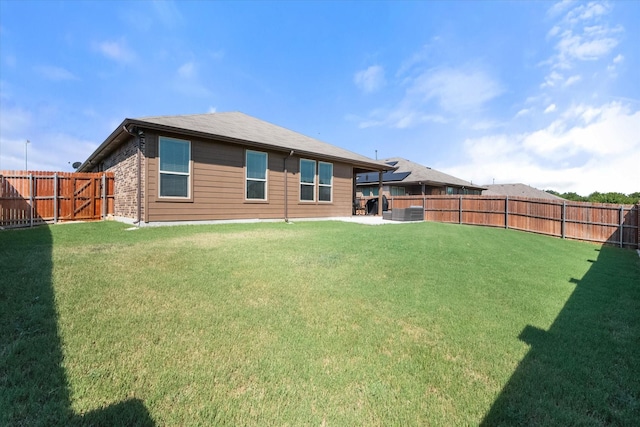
x=408, y=172
x=518, y=190
x=239, y=128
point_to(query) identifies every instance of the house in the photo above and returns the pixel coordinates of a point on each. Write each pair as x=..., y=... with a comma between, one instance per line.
x=408, y=178
x=518, y=190
x=225, y=166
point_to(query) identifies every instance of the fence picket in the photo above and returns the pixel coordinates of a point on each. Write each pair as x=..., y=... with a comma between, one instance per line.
x=593, y=222
x=28, y=198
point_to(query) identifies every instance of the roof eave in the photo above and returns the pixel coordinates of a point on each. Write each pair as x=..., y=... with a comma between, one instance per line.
x=426, y=182
x=115, y=139
x=107, y=146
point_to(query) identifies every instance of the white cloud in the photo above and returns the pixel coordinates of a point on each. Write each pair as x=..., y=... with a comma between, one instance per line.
x=47, y=150
x=552, y=79
x=584, y=47
x=116, y=50
x=39, y=152
x=618, y=59
x=71, y=149
x=430, y=95
x=371, y=79
x=187, y=70
x=13, y=119
x=168, y=13
x=419, y=58
x=572, y=80
x=400, y=118
x=55, y=73
x=581, y=34
x=188, y=83
x=523, y=112
x=560, y=7
x=610, y=129
x=550, y=109
x=587, y=12
x=589, y=148
x=457, y=90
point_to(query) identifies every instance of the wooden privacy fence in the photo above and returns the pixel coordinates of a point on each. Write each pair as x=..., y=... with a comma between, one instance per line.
x=31, y=198
x=593, y=222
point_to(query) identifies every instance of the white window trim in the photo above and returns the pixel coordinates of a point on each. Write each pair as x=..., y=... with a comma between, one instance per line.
x=309, y=184
x=325, y=185
x=160, y=171
x=247, y=179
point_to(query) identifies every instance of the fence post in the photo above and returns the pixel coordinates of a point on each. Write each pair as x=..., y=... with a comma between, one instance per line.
x=506, y=212
x=563, y=217
x=55, y=198
x=460, y=210
x=104, y=195
x=621, y=225
x=31, y=199
x=638, y=225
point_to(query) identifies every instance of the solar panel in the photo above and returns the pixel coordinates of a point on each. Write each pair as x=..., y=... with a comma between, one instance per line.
x=389, y=176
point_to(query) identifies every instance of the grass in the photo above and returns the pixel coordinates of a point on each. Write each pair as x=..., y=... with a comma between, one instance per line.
x=322, y=323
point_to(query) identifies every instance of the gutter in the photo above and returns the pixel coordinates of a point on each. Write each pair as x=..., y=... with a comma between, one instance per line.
x=113, y=138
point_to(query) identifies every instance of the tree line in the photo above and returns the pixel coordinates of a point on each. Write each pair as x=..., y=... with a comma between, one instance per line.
x=597, y=197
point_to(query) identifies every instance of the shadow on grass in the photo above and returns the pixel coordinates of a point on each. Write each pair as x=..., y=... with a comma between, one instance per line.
x=33, y=385
x=585, y=370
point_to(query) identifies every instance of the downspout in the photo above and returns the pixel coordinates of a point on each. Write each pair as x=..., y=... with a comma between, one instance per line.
x=139, y=160
x=286, y=187
x=380, y=193
x=139, y=134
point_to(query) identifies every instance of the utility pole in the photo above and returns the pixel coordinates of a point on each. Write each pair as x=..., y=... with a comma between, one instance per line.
x=26, y=164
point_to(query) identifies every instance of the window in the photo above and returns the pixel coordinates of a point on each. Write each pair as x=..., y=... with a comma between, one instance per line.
x=175, y=167
x=325, y=181
x=369, y=191
x=307, y=180
x=256, y=178
x=398, y=191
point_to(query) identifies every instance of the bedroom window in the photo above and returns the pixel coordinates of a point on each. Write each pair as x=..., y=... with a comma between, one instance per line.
x=325, y=181
x=307, y=180
x=175, y=167
x=256, y=175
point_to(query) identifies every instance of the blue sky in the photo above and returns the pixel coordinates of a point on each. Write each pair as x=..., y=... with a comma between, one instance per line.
x=542, y=93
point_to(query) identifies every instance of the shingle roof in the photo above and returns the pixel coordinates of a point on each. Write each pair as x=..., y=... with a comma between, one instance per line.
x=518, y=190
x=411, y=172
x=237, y=127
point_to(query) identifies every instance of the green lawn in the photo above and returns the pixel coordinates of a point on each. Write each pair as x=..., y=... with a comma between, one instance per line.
x=317, y=323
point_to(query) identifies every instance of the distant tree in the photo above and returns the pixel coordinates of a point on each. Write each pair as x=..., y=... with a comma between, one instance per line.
x=574, y=197
x=597, y=197
x=611, y=197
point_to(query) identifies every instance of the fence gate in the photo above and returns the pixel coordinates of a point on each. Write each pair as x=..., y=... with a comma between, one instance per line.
x=33, y=197
x=83, y=196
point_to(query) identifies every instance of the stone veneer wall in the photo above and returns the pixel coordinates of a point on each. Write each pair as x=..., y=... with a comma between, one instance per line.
x=123, y=163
